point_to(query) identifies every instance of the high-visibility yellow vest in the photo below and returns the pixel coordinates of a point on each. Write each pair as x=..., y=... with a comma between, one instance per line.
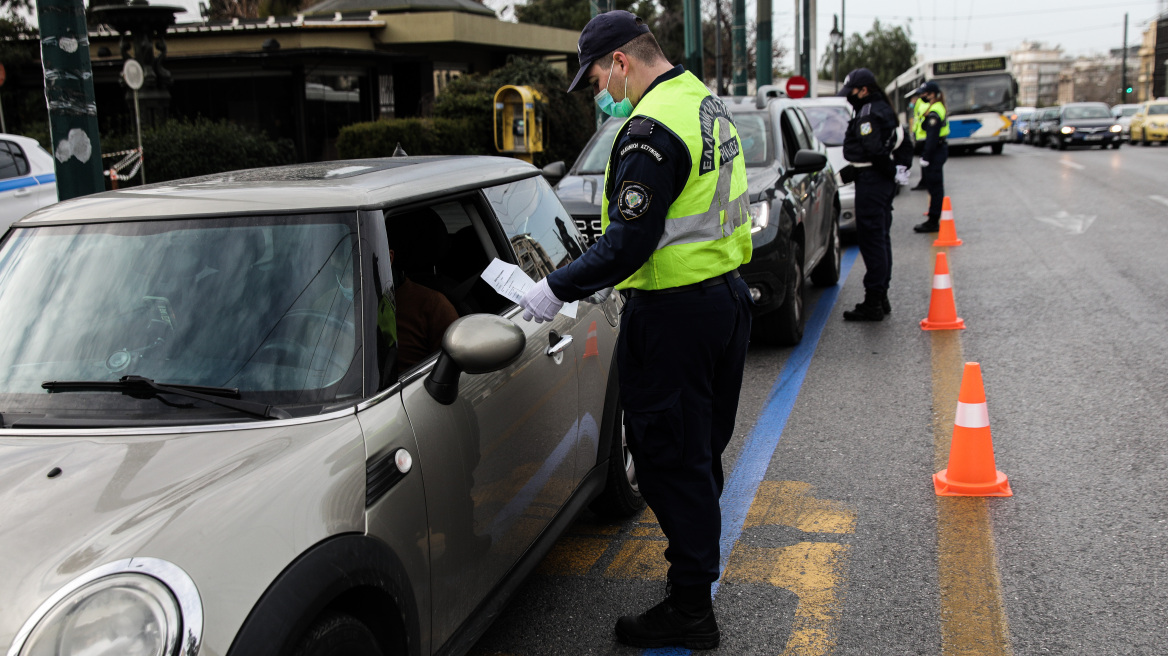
x=939, y=110
x=707, y=228
x=918, y=114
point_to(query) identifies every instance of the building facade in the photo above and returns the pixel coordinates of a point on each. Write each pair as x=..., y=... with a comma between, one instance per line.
x=1036, y=68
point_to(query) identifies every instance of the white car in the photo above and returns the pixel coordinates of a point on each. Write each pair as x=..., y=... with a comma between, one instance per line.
x=1123, y=115
x=829, y=116
x=28, y=180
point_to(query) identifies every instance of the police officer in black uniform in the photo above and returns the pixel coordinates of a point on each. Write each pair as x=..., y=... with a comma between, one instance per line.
x=868, y=146
x=682, y=344
x=934, y=155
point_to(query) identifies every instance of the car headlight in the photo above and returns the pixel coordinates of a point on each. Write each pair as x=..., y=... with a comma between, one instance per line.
x=1067, y=129
x=136, y=607
x=1117, y=128
x=760, y=216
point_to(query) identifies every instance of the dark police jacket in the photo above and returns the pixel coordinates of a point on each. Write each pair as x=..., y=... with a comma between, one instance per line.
x=870, y=138
x=936, y=149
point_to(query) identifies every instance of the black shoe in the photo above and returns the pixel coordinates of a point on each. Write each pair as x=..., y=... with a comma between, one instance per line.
x=885, y=305
x=872, y=309
x=928, y=226
x=665, y=625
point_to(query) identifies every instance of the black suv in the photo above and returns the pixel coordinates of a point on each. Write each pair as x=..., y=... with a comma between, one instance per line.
x=794, y=207
x=1085, y=124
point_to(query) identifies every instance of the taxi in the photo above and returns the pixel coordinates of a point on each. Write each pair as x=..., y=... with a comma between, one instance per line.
x=1150, y=123
x=27, y=178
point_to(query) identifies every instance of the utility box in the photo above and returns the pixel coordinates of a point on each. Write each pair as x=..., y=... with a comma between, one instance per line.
x=519, y=124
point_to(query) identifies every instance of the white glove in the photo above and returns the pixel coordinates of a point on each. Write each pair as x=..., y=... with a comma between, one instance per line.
x=924, y=163
x=901, y=175
x=540, y=303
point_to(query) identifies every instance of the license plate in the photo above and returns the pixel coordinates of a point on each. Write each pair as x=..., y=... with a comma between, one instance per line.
x=1093, y=137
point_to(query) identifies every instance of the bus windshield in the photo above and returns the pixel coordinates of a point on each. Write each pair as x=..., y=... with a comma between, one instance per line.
x=978, y=93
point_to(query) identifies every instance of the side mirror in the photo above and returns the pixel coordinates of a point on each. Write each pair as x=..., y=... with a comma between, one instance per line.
x=554, y=172
x=476, y=344
x=809, y=161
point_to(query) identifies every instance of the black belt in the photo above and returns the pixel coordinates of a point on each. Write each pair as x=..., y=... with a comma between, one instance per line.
x=723, y=279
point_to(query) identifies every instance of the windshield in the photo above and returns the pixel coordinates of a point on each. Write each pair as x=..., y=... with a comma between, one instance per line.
x=829, y=122
x=1158, y=109
x=977, y=93
x=595, y=160
x=1126, y=110
x=265, y=305
x=1085, y=111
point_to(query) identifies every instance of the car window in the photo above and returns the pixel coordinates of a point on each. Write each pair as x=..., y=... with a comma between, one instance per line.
x=829, y=123
x=13, y=162
x=1158, y=109
x=543, y=235
x=808, y=131
x=262, y=304
x=794, y=135
x=595, y=160
x=752, y=131
x=1085, y=112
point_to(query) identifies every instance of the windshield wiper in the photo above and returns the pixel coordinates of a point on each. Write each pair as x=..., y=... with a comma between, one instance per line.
x=141, y=387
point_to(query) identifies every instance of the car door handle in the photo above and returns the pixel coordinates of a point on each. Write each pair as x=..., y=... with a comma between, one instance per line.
x=22, y=192
x=559, y=344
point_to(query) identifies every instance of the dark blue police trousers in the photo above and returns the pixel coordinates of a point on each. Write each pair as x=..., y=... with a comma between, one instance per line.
x=933, y=177
x=680, y=358
x=874, y=192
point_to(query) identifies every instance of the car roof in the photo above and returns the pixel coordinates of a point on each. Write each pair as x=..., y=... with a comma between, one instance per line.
x=822, y=100
x=315, y=187
x=27, y=142
x=749, y=103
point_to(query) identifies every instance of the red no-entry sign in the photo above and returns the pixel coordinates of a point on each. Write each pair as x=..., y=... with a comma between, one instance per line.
x=797, y=86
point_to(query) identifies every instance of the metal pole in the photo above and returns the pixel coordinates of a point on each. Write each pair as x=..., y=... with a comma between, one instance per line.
x=805, y=51
x=141, y=153
x=693, y=37
x=3, y=127
x=1123, y=73
x=70, y=99
x=738, y=38
x=764, y=66
x=594, y=10
x=718, y=47
x=843, y=17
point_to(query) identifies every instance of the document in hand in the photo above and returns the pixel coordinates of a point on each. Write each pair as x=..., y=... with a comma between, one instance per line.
x=512, y=283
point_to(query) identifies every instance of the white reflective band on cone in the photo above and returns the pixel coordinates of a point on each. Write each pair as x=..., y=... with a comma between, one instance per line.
x=941, y=281
x=946, y=215
x=972, y=415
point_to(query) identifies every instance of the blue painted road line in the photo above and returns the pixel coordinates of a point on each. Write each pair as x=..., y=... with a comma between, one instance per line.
x=760, y=445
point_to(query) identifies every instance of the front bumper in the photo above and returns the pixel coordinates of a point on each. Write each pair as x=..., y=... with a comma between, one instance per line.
x=765, y=273
x=1156, y=133
x=1090, y=139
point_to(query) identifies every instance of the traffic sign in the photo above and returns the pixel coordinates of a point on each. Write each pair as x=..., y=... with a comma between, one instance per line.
x=2, y=75
x=133, y=74
x=797, y=86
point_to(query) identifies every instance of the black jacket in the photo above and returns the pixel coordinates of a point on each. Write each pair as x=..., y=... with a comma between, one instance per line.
x=871, y=136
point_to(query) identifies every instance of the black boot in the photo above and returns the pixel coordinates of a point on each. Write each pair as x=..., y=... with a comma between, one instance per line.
x=872, y=309
x=884, y=304
x=684, y=619
x=932, y=225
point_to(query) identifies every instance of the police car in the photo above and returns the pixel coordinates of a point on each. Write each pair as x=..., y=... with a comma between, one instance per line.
x=27, y=178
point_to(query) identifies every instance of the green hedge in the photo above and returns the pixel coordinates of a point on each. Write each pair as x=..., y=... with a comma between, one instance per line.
x=183, y=149
x=417, y=136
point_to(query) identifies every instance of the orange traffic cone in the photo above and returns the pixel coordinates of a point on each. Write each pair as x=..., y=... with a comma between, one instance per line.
x=948, y=234
x=942, y=310
x=971, y=471
x=590, y=348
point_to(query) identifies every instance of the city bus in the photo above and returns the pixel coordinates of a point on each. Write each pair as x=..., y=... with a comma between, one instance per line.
x=980, y=94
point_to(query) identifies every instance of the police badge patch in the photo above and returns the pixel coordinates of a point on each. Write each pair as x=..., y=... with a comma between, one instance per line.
x=865, y=129
x=633, y=200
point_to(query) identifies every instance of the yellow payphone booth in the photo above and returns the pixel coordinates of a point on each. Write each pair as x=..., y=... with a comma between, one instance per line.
x=518, y=122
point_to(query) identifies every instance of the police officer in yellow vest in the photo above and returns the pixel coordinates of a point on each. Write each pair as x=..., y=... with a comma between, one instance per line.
x=918, y=115
x=676, y=227
x=933, y=130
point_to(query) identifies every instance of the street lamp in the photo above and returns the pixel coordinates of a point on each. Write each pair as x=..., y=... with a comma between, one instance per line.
x=837, y=38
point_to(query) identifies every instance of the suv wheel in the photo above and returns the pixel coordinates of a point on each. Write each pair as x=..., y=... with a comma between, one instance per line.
x=621, y=496
x=337, y=634
x=784, y=326
x=996, y=149
x=827, y=272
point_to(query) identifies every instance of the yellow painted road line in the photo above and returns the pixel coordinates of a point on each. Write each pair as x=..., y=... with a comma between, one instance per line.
x=973, y=617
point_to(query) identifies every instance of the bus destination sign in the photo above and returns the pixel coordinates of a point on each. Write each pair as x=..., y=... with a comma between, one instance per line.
x=984, y=65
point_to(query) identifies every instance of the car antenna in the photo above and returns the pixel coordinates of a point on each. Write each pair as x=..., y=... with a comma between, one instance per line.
x=398, y=151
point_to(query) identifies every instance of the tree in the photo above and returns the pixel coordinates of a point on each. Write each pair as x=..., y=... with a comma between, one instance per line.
x=568, y=14
x=886, y=51
x=14, y=28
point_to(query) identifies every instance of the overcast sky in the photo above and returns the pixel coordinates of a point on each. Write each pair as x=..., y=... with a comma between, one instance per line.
x=951, y=27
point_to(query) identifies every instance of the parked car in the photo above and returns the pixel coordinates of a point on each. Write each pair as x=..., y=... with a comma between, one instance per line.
x=795, y=206
x=1150, y=122
x=829, y=116
x=28, y=180
x=1018, y=121
x=210, y=442
x=1123, y=115
x=1041, y=131
x=1085, y=124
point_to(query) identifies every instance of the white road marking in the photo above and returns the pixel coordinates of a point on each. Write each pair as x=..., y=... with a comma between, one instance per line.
x=1076, y=224
x=1159, y=199
x=1074, y=165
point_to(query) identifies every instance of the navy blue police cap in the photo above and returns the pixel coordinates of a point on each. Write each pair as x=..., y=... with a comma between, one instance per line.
x=603, y=34
x=857, y=79
x=929, y=87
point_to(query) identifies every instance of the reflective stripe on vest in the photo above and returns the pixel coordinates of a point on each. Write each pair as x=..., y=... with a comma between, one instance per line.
x=939, y=110
x=707, y=227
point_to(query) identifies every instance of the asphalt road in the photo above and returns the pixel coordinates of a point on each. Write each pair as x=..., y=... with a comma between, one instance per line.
x=837, y=543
